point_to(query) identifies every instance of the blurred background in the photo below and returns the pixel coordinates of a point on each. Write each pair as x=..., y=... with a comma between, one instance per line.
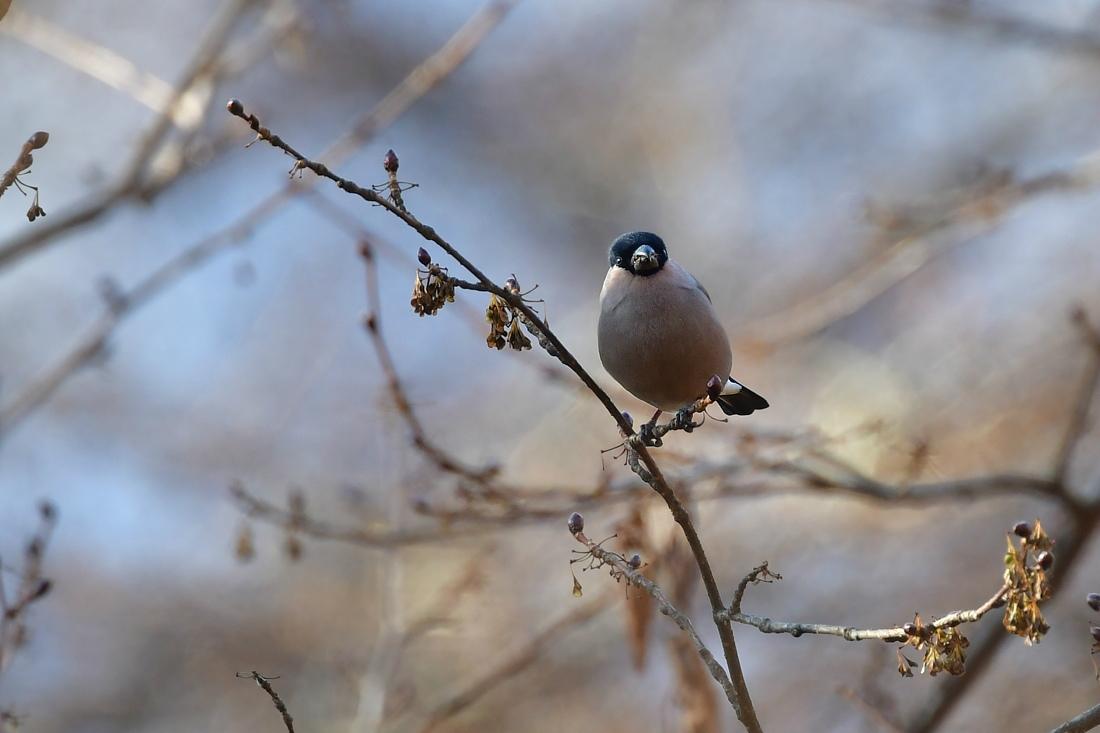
x=892, y=203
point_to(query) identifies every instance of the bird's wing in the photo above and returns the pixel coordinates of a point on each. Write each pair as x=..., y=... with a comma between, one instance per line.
x=700, y=286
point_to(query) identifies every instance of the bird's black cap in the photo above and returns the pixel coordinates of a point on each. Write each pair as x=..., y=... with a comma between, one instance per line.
x=623, y=249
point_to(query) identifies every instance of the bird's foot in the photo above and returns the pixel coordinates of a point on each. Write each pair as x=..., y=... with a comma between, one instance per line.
x=684, y=420
x=648, y=435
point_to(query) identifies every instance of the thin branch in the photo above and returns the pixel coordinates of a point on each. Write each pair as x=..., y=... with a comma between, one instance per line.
x=262, y=681
x=849, y=633
x=623, y=569
x=504, y=671
x=984, y=648
x=652, y=474
x=1085, y=721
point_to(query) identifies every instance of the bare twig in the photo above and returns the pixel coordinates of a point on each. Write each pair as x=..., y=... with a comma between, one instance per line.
x=849, y=633
x=623, y=569
x=265, y=685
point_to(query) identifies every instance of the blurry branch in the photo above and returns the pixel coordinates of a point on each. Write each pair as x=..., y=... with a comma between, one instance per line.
x=98, y=62
x=1085, y=721
x=921, y=235
x=870, y=709
x=520, y=310
x=119, y=304
x=154, y=161
x=443, y=460
x=519, y=661
x=90, y=346
x=31, y=587
x=265, y=685
x=983, y=20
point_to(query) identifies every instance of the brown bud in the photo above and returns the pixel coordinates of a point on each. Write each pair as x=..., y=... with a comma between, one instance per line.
x=576, y=523
x=235, y=107
x=910, y=629
x=423, y=257
x=635, y=561
x=1045, y=560
x=714, y=387
x=38, y=140
x=1022, y=529
x=390, y=162
x=1093, y=600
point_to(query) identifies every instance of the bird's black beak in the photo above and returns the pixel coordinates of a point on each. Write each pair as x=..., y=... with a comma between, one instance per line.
x=644, y=260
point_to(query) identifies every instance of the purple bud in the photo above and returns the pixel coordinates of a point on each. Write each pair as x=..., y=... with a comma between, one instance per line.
x=714, y=387
x=629, y=419
x=390, y=162
x=910, y=629
x=39, y=140
x=235, y=107
x=512, y=285
x=576, y=523
x=635, y=561
x=1095, y=631
x=1093, y=600
x=423, y=257
x=1022, y=529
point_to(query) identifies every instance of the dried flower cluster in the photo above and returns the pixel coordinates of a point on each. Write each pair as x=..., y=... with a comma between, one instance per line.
x=504, y=321
x=433, y=287
x=944, y=649
x=1026, y=570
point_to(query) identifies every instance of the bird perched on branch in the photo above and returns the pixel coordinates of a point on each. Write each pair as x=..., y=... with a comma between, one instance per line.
x=659, y=336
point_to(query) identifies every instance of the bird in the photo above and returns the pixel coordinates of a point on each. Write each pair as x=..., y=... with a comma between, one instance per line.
x=659, y=336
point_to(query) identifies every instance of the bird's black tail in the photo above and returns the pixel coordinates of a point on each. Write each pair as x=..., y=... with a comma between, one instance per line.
x=744, y=402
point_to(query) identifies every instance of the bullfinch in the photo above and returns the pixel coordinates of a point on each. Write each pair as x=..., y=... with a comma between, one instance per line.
x=659, y=336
